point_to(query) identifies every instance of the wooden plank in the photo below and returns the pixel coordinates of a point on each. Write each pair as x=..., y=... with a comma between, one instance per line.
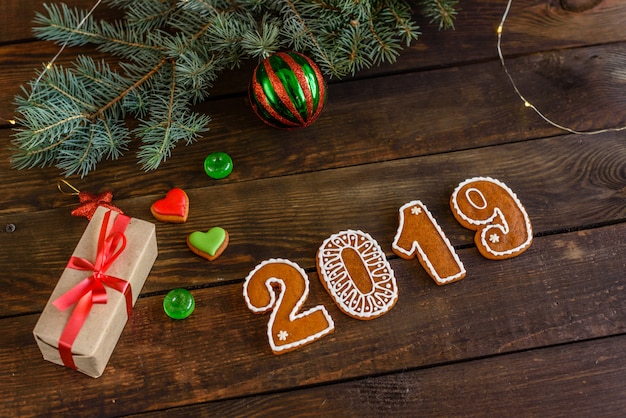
x=542, y=333
x=541, y=298
x=583, y=379
x=290, y=216
x=416, y=114
x=532, y=26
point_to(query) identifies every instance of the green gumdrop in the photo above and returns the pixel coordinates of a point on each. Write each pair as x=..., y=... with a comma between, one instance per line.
x=179, y=304
x=218, y=165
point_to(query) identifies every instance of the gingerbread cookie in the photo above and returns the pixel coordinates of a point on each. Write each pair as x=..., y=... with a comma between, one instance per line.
x=419, y=235
x=355, y=272
x=210, y=244
x=282, y=287
x=174, y=208
x=490, y=208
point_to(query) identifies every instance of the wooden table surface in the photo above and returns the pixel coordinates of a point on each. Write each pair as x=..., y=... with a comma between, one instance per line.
x=541, y=334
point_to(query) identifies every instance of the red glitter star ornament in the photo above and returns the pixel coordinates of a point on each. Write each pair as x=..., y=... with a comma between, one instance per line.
x=89, y=202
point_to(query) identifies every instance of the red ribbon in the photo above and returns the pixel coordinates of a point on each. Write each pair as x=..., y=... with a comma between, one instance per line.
x=91, y=290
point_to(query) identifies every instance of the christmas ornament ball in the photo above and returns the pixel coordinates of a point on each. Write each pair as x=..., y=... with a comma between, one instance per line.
x=287, y=90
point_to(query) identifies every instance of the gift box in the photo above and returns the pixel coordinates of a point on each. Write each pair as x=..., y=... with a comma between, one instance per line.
x=86, y=313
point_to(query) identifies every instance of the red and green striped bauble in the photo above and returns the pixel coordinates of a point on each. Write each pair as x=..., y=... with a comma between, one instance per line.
x=287, y=90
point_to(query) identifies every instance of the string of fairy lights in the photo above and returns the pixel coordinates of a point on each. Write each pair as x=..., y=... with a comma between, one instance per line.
x=521, y=96
x=499, y=33
x=49, y=65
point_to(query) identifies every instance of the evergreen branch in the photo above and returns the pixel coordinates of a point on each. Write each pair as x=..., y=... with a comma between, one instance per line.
x=440, y=11
x=263, y=42
x=168, y=121
x=139, y=82
x=62, y=26
x=326, y=62
x=57, y=124
x=71, y=97
x=406, y=28
x=147, y=15
x=85, y=154
x=33, y=152
x=75, y=117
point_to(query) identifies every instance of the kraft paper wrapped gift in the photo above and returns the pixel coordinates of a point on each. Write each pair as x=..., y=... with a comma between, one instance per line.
x=84, y=318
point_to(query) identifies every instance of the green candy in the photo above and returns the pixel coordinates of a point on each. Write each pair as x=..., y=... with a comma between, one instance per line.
x=179, y=304
x=218, y=165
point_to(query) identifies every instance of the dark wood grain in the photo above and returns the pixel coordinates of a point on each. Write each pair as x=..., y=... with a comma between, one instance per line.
x=583, y=376
x=532, y=26
x=541, y=334
x=222, y=350
x=17, y=17
x=415, y=116
x=290, y=216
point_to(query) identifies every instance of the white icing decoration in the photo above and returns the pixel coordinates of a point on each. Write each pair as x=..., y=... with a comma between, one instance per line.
x=494, y=238
x=282, y=335
x=342, y=288
x=468, y=195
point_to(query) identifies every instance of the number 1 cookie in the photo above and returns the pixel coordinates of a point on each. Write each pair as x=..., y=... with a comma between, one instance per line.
x=419, y=235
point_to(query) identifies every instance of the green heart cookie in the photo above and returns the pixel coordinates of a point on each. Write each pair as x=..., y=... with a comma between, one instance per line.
x=208, y=242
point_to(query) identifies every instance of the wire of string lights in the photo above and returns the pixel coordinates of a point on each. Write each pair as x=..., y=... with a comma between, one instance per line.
x=521, y=96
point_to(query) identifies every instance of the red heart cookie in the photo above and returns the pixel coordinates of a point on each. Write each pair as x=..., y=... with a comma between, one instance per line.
x=173, y=208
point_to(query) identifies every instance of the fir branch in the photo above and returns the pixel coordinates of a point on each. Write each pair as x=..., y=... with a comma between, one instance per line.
x=169, y=123
x=148, y=15
x=61, y=26
x=442, y=12
x=138, y=83
x=292, y=12
x=74, y=117
x=264, y=41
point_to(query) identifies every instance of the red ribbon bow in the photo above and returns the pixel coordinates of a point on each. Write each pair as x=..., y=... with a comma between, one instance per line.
x=91, y=290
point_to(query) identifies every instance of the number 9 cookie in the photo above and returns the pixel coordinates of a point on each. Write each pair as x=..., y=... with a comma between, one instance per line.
x=490, y=208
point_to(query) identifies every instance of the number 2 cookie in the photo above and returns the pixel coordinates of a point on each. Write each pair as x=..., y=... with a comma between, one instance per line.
x=490, y=208
x=288, y=328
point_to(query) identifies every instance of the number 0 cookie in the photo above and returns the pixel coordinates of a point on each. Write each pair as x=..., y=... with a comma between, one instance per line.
x=355, y=272
x=490, y=208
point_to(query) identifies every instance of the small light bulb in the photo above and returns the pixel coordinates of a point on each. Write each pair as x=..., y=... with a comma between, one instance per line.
x=527, y=104
x=12, y=121
x=499, y=30
x=48, y=66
